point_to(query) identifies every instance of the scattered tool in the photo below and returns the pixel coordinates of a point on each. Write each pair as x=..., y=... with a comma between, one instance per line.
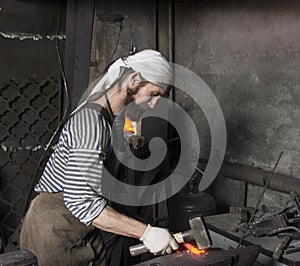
x=259, y=200
x=268, y=225
x=285, y=220
x=198, y=232
x=293, y=247
x=281, y=247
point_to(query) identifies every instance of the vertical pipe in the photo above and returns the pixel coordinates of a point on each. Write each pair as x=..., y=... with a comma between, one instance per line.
x=171, y=30
x=171, y=39
x=155, y=22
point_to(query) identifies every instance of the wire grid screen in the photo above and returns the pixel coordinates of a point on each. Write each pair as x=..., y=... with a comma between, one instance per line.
x=29, y=114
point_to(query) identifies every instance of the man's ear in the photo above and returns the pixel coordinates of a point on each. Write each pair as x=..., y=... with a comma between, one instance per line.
x=134, y=79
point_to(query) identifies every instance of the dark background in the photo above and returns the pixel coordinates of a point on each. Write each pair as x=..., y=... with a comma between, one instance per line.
x=246, y=51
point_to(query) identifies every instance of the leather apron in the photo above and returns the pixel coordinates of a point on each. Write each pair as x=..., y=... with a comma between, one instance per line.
x=57, y=237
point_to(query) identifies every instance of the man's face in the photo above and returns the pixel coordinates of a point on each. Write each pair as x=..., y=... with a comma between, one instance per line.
x=140, y=98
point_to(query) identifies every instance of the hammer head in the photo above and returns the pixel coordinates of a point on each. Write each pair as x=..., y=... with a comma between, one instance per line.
x=199, y=232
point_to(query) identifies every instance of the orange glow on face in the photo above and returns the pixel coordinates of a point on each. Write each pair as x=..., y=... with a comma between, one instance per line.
x=194, y=250
x=128, y=127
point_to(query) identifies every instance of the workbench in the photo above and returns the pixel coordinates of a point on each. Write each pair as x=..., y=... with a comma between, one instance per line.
x=223, y=232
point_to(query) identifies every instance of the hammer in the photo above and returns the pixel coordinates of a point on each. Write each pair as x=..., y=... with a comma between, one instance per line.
x=198, y=232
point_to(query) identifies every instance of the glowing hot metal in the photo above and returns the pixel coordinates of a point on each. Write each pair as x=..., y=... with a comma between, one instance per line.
x=194, y=250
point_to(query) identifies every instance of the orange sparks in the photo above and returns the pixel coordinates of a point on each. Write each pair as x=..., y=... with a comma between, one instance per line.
x=128, y=127
x=193, y=249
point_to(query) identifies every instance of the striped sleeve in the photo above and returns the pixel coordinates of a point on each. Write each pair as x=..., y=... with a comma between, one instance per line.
x=89, y=136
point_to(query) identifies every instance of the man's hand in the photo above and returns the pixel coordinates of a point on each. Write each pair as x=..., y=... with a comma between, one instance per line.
x=158, y=240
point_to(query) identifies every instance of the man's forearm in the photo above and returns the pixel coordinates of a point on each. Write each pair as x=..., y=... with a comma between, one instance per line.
x=112, y=221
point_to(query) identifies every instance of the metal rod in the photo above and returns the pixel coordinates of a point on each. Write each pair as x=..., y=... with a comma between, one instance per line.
x=260, y=198
x=287, y=228
x=199, y=170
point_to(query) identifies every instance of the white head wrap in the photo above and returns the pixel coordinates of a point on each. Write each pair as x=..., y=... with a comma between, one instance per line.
x=151, y=64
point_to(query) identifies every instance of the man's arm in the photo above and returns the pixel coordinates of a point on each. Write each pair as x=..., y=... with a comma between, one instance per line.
x=112, y=221
x=157, y=240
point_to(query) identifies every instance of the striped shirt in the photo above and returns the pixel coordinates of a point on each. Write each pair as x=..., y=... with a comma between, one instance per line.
x=75, y=167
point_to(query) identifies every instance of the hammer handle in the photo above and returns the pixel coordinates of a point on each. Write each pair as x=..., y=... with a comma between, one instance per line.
x=141, y=248
x=138, y=250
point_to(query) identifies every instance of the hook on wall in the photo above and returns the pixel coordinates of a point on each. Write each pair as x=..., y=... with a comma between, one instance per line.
x=133, y=48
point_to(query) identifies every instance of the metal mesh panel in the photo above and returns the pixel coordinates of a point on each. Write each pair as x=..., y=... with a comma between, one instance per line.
x=29, y=114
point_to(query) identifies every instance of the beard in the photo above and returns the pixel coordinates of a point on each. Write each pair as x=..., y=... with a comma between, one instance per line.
x=134, y=111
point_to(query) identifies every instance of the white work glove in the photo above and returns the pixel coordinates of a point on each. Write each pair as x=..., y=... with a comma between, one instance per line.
x=158, y=240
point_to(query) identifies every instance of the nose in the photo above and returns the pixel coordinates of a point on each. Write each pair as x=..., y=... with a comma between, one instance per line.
x=153, y=101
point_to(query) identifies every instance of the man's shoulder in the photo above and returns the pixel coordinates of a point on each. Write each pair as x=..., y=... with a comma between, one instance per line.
x=87, y=113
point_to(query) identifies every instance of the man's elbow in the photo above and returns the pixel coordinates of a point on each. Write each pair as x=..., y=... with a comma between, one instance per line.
x=102, y=221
